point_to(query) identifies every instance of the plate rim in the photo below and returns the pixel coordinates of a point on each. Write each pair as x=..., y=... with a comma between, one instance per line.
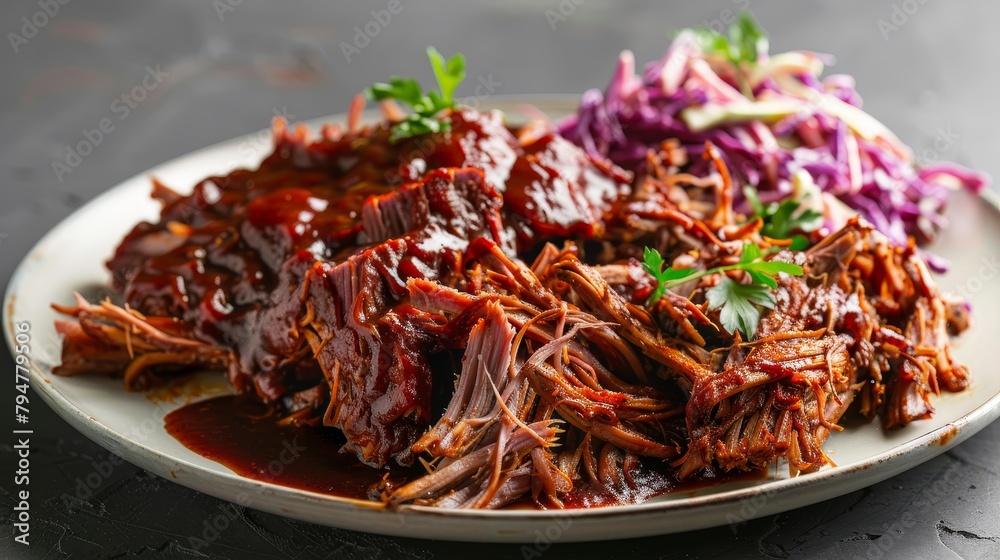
x=899, y=458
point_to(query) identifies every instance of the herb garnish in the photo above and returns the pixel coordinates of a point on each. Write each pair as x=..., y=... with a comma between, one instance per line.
x=747, y=40
x=448, y=73
x=737, y=303
x=782, y=220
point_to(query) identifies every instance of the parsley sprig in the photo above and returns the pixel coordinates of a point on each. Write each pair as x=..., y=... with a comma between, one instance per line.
x=782, y=220
x=448, y=73
x=747, y=40
x=738, y=304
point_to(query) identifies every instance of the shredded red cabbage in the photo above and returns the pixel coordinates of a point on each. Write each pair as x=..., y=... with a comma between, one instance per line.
x=788, y=120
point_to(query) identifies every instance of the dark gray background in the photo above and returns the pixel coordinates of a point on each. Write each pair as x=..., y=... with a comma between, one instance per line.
x=936, y=70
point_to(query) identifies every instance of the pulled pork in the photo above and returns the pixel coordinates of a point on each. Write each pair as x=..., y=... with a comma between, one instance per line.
x=349, y=280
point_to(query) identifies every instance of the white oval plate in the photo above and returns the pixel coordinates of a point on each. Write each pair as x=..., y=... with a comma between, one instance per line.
x=71, y=256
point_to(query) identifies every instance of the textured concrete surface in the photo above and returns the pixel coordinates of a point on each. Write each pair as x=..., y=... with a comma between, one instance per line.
x=926, y=68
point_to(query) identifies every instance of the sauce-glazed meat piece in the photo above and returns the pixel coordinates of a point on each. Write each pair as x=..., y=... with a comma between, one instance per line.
x=371, y=344
x=556, y=190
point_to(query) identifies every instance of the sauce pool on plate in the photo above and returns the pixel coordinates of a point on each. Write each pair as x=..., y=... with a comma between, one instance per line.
x=244, y=436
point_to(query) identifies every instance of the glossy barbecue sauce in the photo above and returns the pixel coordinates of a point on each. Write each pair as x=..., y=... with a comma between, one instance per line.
x=242, y=435
x=245, y=437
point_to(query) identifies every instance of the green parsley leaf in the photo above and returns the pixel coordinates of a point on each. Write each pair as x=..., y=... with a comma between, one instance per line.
x=751, y=253
x=417, y=125
x=772, y=268
x=748, y=37
x=653, y=265
x=406, y=90
x=799, y=243
x=747, y=40
x=448, y=73
x=737, y=303
x=782, y=220
x=751, y=195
